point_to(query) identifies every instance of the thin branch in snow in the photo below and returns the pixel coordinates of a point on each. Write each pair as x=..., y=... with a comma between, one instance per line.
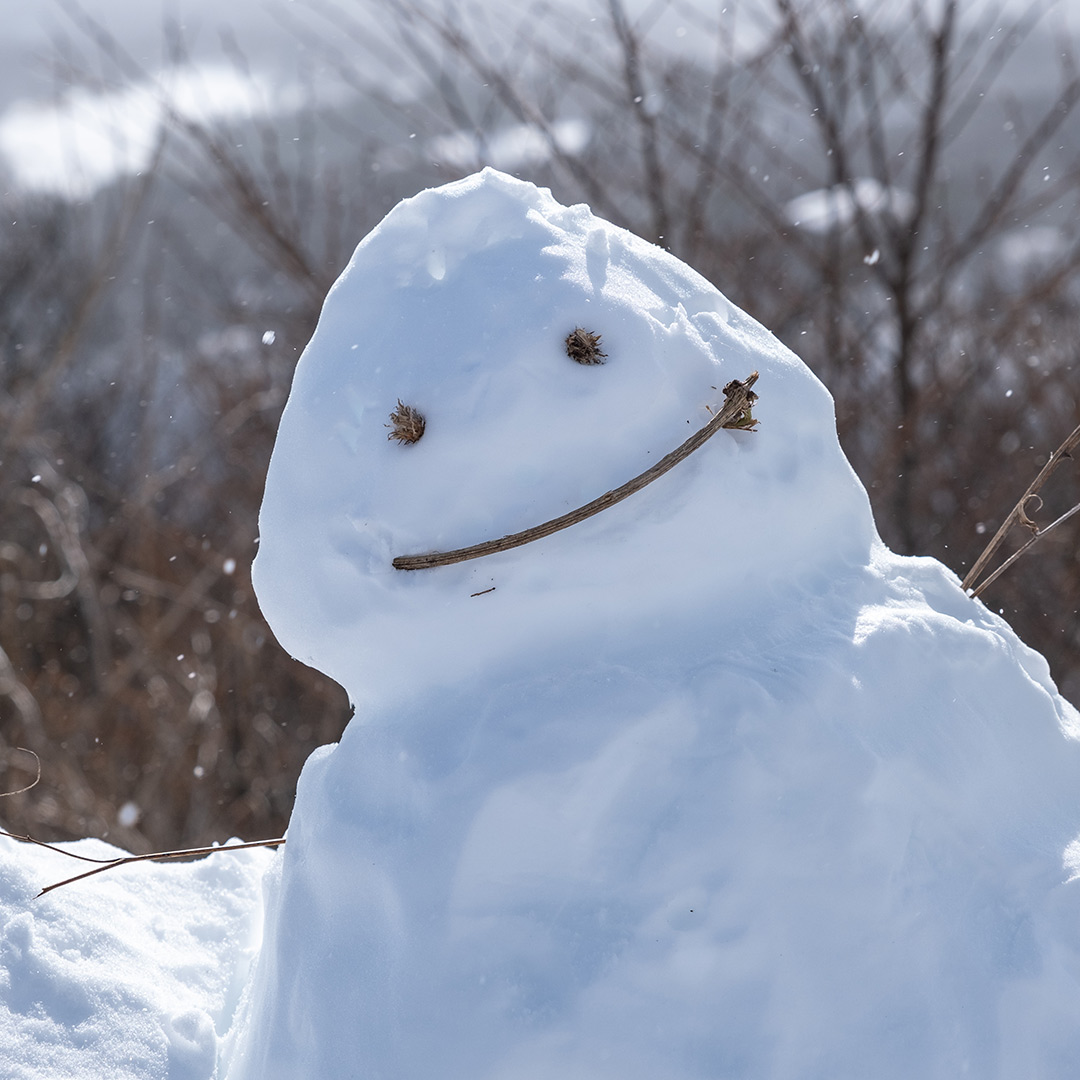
x=154, y=856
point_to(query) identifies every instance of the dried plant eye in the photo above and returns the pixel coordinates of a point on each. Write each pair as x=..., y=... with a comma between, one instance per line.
x=406, y=423
x=584, y=347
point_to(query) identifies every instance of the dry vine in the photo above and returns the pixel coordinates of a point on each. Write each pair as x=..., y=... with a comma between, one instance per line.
x=1019, y=516
x=34, y=782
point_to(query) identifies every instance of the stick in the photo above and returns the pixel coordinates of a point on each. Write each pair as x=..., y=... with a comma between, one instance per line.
x=154, y=856
x=735, y=413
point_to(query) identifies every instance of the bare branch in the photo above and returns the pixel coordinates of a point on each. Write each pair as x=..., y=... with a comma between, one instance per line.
x=155, y=856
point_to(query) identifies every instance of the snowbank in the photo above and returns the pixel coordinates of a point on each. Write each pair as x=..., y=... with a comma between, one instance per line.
x=711, y=784
x=131, y=976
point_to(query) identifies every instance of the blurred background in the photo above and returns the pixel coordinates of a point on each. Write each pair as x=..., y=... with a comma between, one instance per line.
x=893, y=189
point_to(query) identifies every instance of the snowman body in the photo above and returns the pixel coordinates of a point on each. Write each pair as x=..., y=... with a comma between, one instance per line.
x=710, y=784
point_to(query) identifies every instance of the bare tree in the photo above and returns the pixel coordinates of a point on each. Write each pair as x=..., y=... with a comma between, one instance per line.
x=867, y=181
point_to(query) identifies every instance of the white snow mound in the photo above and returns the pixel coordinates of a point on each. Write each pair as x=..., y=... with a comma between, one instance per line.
x=133, y=975
x=710, y=785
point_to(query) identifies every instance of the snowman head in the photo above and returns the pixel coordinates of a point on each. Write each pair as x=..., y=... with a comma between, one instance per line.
x=488, y=362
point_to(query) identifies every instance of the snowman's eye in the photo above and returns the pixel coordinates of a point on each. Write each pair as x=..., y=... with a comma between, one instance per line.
x=583, y=346
x=406, y=423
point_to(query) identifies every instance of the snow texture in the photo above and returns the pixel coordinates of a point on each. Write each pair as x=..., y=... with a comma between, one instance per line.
x=711, y=784
x=132, y=975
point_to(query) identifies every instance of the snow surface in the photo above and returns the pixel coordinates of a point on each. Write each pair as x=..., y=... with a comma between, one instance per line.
x=710, y=785
x=132, y=975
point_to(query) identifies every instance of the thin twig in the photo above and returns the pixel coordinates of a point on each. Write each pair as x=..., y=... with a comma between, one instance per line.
x=34, y=782
x=26, y=838
x=1019, y=515
x=154, y=856
x=736, y=407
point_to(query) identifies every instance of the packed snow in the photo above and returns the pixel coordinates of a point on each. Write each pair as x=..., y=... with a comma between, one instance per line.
x=132, y=975
x=708, y=785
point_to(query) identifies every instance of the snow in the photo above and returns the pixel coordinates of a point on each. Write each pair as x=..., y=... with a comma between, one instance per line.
x=131, y=975
x=459, y=304
x=710, y=784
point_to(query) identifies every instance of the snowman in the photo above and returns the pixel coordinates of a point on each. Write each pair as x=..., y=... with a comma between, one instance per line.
x=663, y=767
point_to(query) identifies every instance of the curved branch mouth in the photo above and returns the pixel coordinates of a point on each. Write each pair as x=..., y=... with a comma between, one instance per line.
x=735, y=413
